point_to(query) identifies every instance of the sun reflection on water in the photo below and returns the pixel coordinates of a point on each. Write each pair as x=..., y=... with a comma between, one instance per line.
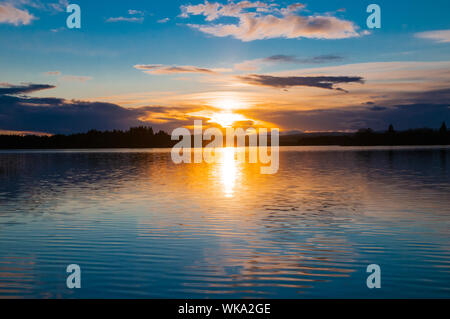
x=228, y=170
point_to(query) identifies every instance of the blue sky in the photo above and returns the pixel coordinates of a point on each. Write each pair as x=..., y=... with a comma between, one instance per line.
x=98, y=62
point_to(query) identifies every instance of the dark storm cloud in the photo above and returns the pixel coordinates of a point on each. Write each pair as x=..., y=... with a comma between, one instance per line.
x=24, y=88
x=324, y=82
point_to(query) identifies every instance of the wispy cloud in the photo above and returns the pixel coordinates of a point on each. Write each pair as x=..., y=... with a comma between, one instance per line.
x=53, y=73
x=68, y=77
x=125, y=19
x=258, y=20
x=75, y=78
x=23, y=133
x=440, y=36
x=324, y=82
x=12, y=15
x=10, y=89
x=135, y=16
x=135, y=12
x=53, y=7
x=167, y=69
x=163, y=20
x=55, y=30
x=59, y=6
x=311, y=60
x=256, y=64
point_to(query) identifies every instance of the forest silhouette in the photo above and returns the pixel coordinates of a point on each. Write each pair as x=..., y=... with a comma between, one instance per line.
x=145, y=137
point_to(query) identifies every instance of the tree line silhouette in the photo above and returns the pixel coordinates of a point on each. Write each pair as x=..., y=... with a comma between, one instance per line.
x=368, y=137
x=145, y=137
x=135, y=137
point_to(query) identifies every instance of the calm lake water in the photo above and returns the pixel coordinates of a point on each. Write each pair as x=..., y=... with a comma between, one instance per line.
x=140, y=226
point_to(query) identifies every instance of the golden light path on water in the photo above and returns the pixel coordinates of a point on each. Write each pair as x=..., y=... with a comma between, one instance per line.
x=228, y=170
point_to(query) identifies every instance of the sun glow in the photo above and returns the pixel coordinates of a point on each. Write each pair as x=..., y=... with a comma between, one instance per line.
x=228, y=171
x=222, y=110
x=227, y=104
x=226, y=119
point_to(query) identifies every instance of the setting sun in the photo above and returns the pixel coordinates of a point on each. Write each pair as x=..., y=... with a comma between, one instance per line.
x=227, y=104
x=226, y=119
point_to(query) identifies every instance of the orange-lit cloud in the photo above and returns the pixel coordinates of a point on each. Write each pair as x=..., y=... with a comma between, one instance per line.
x=11, y=15
x=258, y=20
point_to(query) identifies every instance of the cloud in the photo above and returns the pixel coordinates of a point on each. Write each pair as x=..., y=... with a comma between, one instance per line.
x=378, y=108
x=10, y=89
x=324, y=82
x=61, y=116
x=424, y=108
x=258, y=20
x=53, y=73
x=23, y=133
x=52, y=7
x=163, y=20
x=11, y=15
x=209, y=10
x=147, y=66
x=76, y=78
x=125, y=19
x=68, y=78
x=256, y=64
x=404, y=116
x=313, y=60
x=132, y=18
x=59, y=6
x=135, y=12
x=167, y=69
x=213, y=11
x=436, y=96
x=440, y=36
x=58, y=29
